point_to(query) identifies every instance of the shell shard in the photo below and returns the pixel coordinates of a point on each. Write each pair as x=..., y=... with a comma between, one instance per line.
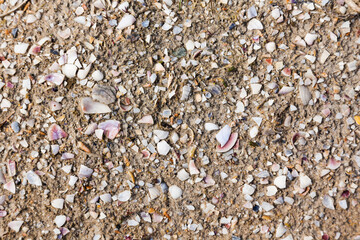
x=55, y=132
x=229, y=145
x=223, y=135
x=126, y=21
x=88, y=106
x=56, y=78
x=111, y=128
x=147, y=119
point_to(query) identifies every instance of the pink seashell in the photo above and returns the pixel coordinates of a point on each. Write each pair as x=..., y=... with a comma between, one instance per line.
x=110, y=127
x=326, y=112
x=11, y=168
x=3, y=213
x=157, y=218
x=55, y=106
x=345, y=194
x=333, y=164
x=64, y=231
x=286, y=72
x=55, y=132
x=146, y=154
x=147, y=119
x=2, y=199
x=10, y=186
x=9, y=85
x=192, y=168
x=65, y=156
x=209, y=181
x=125, y=108
x=35, y=49
x=90, y=129
x=88, y=106
x=237, y=145
x=56, y=78
x=229, y=144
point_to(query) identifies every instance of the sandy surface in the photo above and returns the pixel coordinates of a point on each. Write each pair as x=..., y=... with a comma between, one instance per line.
x=282, y=76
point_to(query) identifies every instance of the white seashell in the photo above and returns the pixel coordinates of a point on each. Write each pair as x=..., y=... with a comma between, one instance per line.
x=126, y=21
x=58, y=203
x=192, y=168
x=254, y=132
x=270, y=47
x=223, y=135
x=146, y=216
x=267, y=206
x=154, y=193
x=85, y=172
x=248, y=189
x=124, y=196
x=305, y=181
x=69, y=70
x=55, y=106
x=99, y=4
x=71, y=56
x=254, y=24
x=280, y=230
x=310, y=38
x=55, y=149
x=147, y=119
x=186, y=90
x=99, y=133
x=271, y=191
x=10, y=186
x=161, y=134
x=82, y=73
x=72, y=180
x=159, y=68
x=175, y=192
x=275, y=13
x=33, y=178
x=343, y=204
x=190, y=45
x=328, y=202
x=60, y=220
x=286, y=90
x=64, y=34
x=333, y=164
x=15, y=225
x=97, y=75
x=305, y=95
x=88, y=106
x=183, y=175
x=255, y=88
x=163, y=147
x=31, y=19
x=175, y=137
x=90, y=129
x=211, y=127
x=21, y=48
x=299, y=41
x=56, y=78
x=124, y=6
x=106, y=198
x=251, y=12
x=280, y=182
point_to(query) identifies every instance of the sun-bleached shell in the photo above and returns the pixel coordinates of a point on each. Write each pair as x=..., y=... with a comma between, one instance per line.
x=223, y=135
x=33, y=178
x=55, y=132
x=126, y=21
x=111, y=128
x=124, y=196
x=85, y=172
x=175, y=192
x=15, y=225
x=229, y=145
x=89, y=106
x=56, y=78
x=147, y=119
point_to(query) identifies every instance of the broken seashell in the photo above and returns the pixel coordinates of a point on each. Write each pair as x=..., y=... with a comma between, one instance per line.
x=60, y=220
x=310, y=38
x=154, y=193
x=223, y=135
x=286, y=90
x=124, y=196
x=58, y=203
x=85, y=172
x=229, y=145
x=147, y=119
x=99, y=4
x=10, y=186
x=97, y=75
x=90, y=129
x=333, y=163
x=183, y=175
x=111, y=128
x=33, y=178
x=88, y=106
x=211, y=127
x=55, y=106
x=175, y=192
x=254, y=24
x=305, y=95
x=69, y=70
x=126, y=21
x=15, y=225
x=82, y=73
x=56, y=78
x=104, y=94
x=161, y=134
x=163, y=147
x=328, y=202
x=55, y=132
x=192, y=168
x=124, y=6
x=186, y=90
